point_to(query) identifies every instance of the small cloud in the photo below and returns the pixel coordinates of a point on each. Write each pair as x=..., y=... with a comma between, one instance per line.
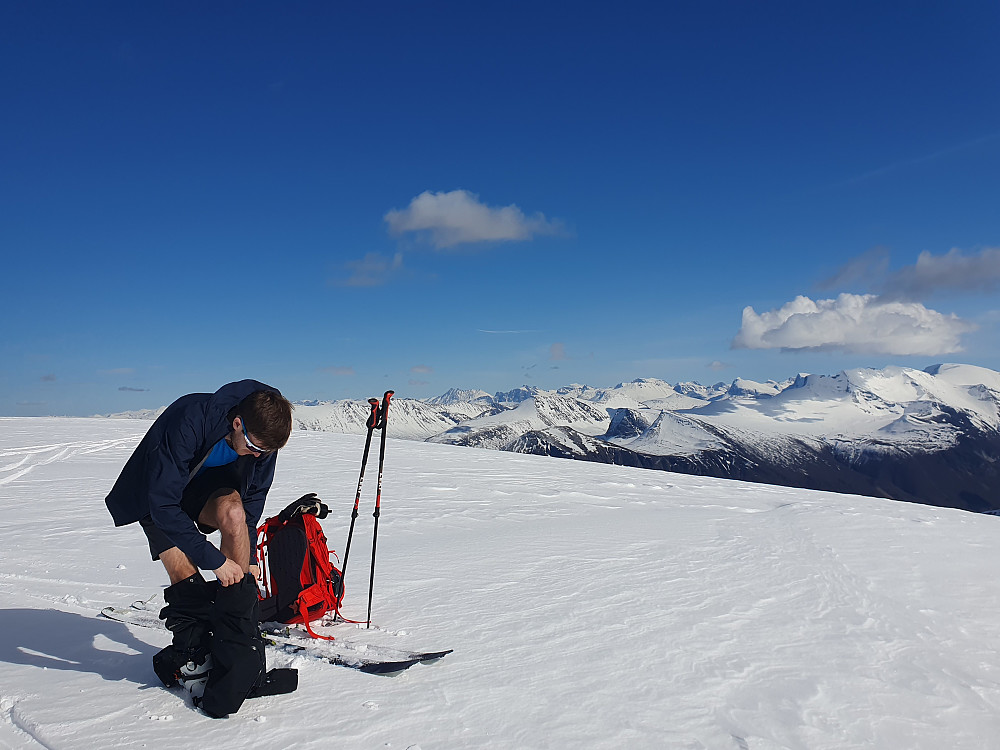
x=557, y=351
x=983, y=140
x=421, y=370
x=951, y=272
x=853, y=323
x=133, y=390
x=50, y=378
x=459, y=217
x=864, y=269
x=339, y=371
x=717, y=365
x=372, y=270
x=526, y=330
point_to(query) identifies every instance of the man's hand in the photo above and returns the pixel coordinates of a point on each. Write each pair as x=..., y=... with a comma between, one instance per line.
x=255, y=569
x=229, y=573
x=305, y=504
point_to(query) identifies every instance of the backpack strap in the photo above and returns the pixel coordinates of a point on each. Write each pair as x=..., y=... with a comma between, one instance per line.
x=303, y=603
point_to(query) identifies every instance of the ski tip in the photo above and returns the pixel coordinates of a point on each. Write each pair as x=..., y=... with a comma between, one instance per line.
x=392, y=668
x=388, y=668
x=432, y=656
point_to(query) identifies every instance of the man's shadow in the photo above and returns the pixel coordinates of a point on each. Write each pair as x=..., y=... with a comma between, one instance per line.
x=76, y=643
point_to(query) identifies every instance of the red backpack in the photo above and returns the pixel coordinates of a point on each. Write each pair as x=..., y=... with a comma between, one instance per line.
x=300, y=582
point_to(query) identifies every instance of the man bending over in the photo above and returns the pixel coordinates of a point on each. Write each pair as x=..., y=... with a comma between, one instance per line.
x=207, y=464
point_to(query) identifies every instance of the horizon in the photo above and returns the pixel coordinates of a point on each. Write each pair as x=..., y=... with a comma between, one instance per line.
x=326, y=198
x=403, y=396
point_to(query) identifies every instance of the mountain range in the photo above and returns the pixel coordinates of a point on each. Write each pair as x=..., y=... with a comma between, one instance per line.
x=930, y=436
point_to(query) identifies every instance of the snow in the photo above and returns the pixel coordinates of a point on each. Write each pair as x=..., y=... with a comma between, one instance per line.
x=589, y=606
x=675, y=435
x=889, y=409
x=413, y=420
x=894, y=405
x=459, y=396
x=542, y=411
x=967, y=375
x=753, y=389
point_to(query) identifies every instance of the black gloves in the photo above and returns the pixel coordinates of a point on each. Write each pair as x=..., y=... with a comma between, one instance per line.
x=305, y=504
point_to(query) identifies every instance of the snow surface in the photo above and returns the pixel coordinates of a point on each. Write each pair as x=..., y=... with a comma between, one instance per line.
x=589, y=606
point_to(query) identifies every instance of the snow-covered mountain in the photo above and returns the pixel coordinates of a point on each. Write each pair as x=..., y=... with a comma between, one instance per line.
x=928, y=436
x=459, y=396
x=136, y=414
x=411, y=419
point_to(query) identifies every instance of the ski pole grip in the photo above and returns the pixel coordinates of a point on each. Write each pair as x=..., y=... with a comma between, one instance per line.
x=380, y=423
x=373, y=417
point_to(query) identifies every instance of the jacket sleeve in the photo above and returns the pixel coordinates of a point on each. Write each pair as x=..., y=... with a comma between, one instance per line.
x=168, y=464
x=256, y=495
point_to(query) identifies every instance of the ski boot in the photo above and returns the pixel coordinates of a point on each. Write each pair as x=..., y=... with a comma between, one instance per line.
x=194, y=677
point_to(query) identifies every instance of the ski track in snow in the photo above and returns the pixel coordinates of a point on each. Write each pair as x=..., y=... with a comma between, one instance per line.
x=35, y=456
x=589, y=606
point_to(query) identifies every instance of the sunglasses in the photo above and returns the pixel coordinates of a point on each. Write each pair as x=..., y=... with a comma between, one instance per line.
x=250, y=445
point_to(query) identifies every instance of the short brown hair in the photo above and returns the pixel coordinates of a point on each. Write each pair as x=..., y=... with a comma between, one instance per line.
x=267, y=415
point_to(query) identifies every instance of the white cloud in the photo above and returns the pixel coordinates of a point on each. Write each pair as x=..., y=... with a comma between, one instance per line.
x=372, y=270
x=853, y=323
x=459, y=217
x=557, y=351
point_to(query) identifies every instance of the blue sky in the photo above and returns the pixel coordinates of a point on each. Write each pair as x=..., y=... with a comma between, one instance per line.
x=339, y=200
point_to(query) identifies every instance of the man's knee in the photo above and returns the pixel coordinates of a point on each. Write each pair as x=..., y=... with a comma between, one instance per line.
x=229, y=514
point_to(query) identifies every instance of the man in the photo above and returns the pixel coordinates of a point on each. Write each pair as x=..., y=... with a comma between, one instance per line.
x=207, y=464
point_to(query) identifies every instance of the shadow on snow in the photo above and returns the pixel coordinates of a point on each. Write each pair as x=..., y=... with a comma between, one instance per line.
x=49, y=638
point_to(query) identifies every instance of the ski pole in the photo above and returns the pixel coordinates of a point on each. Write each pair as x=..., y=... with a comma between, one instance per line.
x=383, y=416
x=371, y=424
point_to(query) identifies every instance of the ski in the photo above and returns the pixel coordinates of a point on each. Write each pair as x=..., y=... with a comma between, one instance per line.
x=367, y=658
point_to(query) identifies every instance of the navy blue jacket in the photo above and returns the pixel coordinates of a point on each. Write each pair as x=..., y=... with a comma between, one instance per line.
x=154, y=478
